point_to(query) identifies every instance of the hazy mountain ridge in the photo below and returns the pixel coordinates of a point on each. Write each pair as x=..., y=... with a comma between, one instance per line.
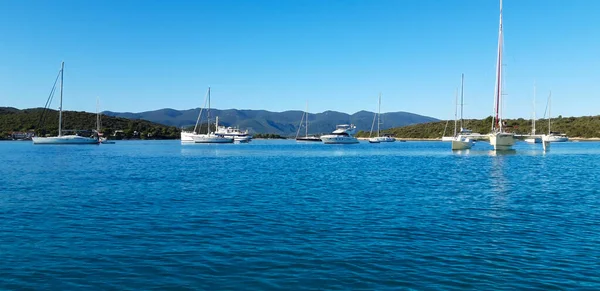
x=283, y=123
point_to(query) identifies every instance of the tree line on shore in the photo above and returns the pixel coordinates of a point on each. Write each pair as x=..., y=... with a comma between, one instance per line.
x=15, y=120
x=583, y=127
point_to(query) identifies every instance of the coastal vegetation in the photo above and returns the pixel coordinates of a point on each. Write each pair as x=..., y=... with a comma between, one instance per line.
x=268, y=136
x=582, y=127
x=15, y=120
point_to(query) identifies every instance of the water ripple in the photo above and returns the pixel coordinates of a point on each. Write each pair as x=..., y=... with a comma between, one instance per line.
x=281, y=215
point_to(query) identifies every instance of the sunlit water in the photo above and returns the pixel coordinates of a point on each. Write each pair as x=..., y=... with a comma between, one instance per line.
x=280, y=215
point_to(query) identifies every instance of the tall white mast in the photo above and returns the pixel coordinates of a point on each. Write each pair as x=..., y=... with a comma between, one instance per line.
x=62, y=72
x=97, y=114
x=533, y=121
x=497, y=125
x=455, y=110
x=549, y=112
x=208, y=114
x=462, y=99
x=306, y=134
x=378, y=114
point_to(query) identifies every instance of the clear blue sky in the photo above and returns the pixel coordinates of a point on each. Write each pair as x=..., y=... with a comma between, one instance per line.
x=144, y=55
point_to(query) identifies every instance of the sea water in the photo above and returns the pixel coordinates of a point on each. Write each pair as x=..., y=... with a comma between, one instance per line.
x=140, y=215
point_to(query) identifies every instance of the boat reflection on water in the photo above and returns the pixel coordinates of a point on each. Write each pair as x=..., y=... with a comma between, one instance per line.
x=510, y=152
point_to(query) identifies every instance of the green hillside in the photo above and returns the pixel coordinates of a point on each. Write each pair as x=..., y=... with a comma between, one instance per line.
x=584, y=127
x=12, y=119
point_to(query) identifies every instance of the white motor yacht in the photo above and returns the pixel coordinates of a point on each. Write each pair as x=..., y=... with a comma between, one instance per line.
x=343, y=134
x=234, y=132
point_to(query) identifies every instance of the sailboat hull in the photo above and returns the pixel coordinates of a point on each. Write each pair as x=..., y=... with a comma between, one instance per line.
x=308, y=139
x=461, y=143
x=533, y=140
x=65, y=139
x=502, y=141
x=382, y=139
x=187, y=137
x=209, y=138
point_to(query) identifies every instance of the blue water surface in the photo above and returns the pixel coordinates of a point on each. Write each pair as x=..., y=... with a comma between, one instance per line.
x=281, y=215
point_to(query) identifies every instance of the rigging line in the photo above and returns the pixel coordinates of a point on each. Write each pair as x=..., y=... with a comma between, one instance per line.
x=200, y=114
x=300, y=126
x=48, y=102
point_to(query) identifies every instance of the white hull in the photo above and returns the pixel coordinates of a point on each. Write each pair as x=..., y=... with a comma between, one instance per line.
x=461, y=143
x=533, y=140
x=104, y=140
x=242, y=138
x=187, y=136
x=308, y=139
x=211, y=138
x=502, y=141
x=552, y=138
x=381, y=139
x=65, y=139
x=447, y=138
x=338, y=139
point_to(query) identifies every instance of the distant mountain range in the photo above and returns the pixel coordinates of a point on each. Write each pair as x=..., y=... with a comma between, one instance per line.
x=284, y=123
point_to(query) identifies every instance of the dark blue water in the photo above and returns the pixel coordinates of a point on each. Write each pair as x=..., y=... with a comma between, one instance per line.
x=279, y=215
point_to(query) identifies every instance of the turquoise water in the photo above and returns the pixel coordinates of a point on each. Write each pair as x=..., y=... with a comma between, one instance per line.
x=269, y=215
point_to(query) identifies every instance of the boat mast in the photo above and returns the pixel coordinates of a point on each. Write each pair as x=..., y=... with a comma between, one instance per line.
x=549, y=112
x=533, y=121
x=378, y=115
x=497, y=125
x=97, y=115
x=455, y=110
x=462, y=99
x=62, y=72
x=306, y=134
x=208, y=114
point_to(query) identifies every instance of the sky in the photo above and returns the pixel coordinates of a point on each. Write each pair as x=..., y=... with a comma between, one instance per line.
x=140, y=55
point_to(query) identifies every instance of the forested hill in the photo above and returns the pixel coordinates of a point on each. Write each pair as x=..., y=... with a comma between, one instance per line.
x=584, y=127
x=12, y=119
x=283, y=123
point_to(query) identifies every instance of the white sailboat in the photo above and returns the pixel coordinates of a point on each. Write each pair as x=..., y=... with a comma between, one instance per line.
x=553, y=136
x=499, y=138
x=460, y=141
x=533, y=138
x=379, y=138
x=306, y=137
x=64, y=139
x=208, y=137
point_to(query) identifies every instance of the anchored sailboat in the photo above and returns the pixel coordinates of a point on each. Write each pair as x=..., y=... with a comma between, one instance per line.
x=209, y=137
x=378, y=138
x=499, y=138
x=63, y=139
x=553, y=136
x=306, y=137
x=533, y=138
x=460, y=140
